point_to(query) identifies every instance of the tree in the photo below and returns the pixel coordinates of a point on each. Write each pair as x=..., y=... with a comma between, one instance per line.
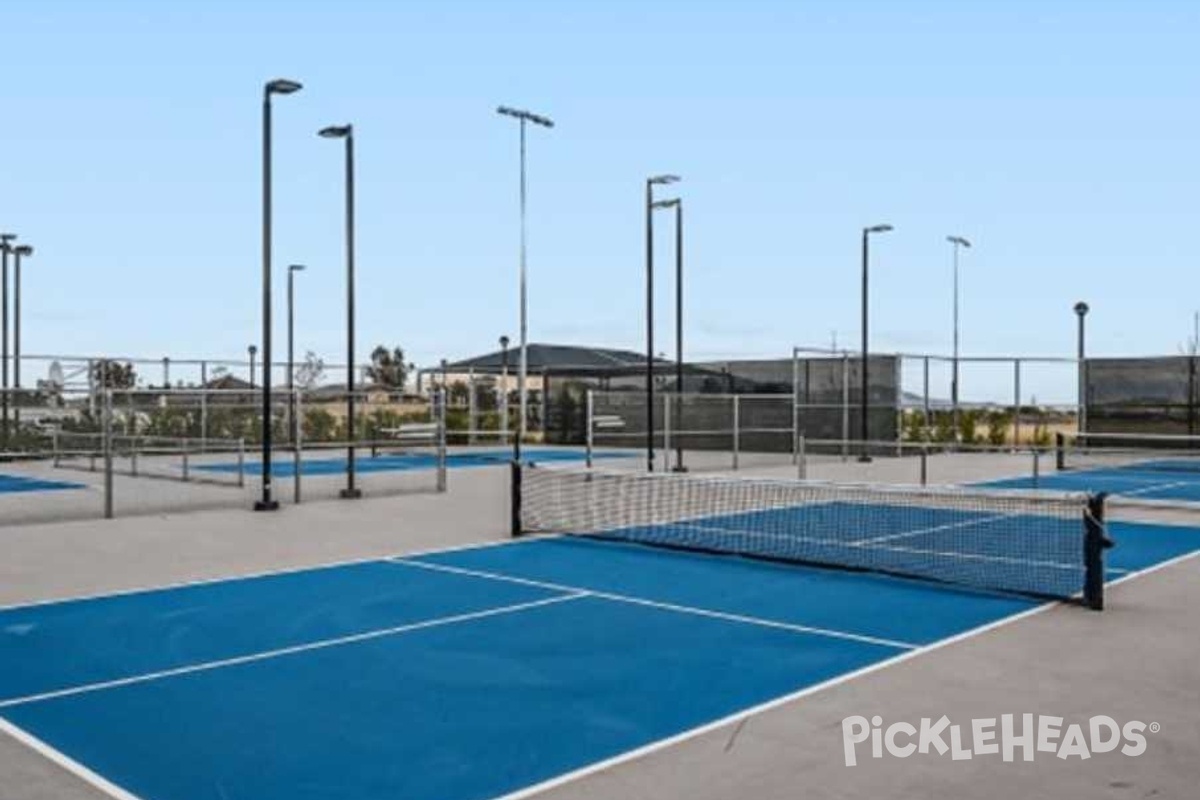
x=310, y=372
x=113, y=375
x=388, y=367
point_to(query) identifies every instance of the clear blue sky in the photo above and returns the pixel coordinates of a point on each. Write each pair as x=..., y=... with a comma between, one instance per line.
x=1059, y=136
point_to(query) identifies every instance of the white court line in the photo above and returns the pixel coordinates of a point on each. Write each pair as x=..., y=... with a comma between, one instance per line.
x=738, y=717
x=679, y=609
x=270, y=573
x=947, y=527
x=287, y=651
x=117, y=793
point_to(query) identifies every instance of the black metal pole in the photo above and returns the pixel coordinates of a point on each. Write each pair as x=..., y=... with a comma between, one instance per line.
x=679, y=334
x=252, y=351
x=865, y=455
x=649, y=326
x=351, y=491
x=267, y=502
x=17, y=340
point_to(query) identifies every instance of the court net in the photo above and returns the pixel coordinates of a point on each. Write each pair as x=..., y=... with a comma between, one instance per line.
x=1033, y=543
x=1130, y=452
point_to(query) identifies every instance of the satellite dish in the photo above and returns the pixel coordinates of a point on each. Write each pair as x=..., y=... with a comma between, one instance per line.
x=57, y=379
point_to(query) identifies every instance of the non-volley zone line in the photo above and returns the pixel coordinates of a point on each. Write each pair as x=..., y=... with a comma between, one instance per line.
x=657, y=604
x=320, y=644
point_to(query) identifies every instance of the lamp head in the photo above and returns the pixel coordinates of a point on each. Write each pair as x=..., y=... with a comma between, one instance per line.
x=336, y=131
x=521, y=114
x=5, y=238
x=878, y=229
x=672, y=203
x=1081, y=308
x=296, y=268
x=504, y=342
x=23, y=250
x=283, y=86
x=958, y=240
x=662, y=180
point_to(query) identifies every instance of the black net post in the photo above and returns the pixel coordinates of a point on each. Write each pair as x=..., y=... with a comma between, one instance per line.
x=1060, y=450
x=515, y=499
x=1094, y=542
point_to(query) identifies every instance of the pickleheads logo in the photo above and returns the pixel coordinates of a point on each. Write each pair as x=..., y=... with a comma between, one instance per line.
x=1028, y=735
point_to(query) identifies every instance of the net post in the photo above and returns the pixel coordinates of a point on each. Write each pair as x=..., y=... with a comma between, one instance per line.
x=55, y=445
x=107, y=444
x=514, y=527
x=801, y=458
x=924, y=464
x=736, y=430
x=1037, y=467
x=591, y=422
x=440, y=433
x=184, y=446
x=1060, y=448
x=1094, y=543
x=1016, y=403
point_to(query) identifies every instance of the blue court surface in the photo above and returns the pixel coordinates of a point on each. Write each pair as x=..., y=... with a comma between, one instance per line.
x=1151, y=482
x=284, y=467
x=472, y=673
x=20, y=483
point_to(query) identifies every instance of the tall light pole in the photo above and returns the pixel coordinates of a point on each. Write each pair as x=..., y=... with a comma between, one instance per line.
x=346, y=133
x=522, y=118
x=1081, y=310
x=677, y=204
x=291, y=368
x=19, y=252
x=956, y=242
x=865, y=455
x=503, y=409
x=656, y=180
x=5, y=249
x=280, y=86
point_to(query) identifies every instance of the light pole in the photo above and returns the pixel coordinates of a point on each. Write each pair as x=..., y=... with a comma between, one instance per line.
x=346, y=133
x=956, y=242
x=656, y=180
x=280, y=86
x=19, y=252
x=503, y=387
x=677, y=204
x=252, y=350
x=5, y=249
x=291, y=370
x=1081, y=310
x=522, y=118
x=865, y=455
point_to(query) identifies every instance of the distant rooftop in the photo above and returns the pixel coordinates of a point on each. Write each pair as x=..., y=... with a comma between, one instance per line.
x=558, y=358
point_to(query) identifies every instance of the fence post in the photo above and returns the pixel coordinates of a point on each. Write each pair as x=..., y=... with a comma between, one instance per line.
x=471, y=426
x=796, y=407
x=441, y=442
x=589, y=438
x=1016, y=403
x=241, y=463
x=107, y=444
x=184, y=443
x=846, y=407
x=298, y=446
x=666, y=448
x=204, y=406
x=736, y=430
x=1037, y=466
x=925, y=394
x=801, y=459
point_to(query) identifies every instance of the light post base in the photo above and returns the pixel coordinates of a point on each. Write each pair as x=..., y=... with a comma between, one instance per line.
x=864, y=459
x=350, y=494
x=266, y=505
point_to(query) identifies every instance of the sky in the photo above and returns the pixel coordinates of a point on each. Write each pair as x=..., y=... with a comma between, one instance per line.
x=1059, y=137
